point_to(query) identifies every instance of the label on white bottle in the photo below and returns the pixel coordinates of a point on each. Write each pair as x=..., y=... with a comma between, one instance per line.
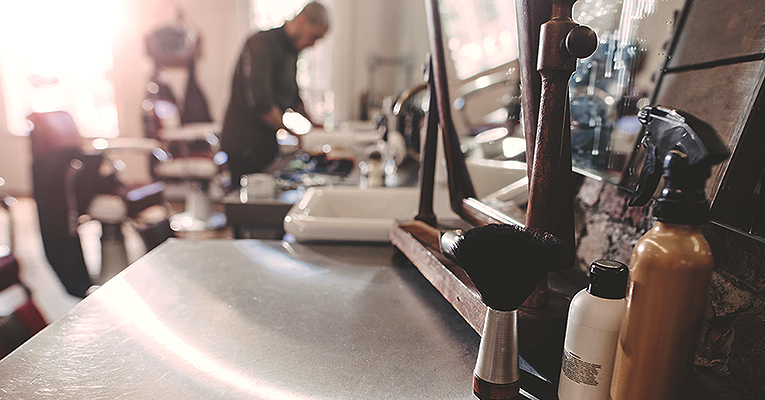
x=580, y=371
x=589, y=347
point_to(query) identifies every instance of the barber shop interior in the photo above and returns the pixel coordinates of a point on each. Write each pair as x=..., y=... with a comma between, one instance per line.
x=335, y=199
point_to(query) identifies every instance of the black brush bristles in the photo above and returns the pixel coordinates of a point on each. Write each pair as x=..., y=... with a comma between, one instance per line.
x=506, y=262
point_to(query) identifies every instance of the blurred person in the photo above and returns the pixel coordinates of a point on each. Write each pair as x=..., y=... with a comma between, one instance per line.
x=264, y=87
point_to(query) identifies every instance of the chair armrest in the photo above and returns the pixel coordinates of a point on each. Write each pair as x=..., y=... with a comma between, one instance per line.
x=144, y=145
x=9, y=271
x=144, y=197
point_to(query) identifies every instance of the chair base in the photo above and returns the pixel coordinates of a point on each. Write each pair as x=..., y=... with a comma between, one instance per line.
x=199, y=214
x=188, y=222
x=114, y=257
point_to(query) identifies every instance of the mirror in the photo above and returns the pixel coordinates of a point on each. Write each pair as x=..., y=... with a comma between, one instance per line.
x=606, y=90
x=483, y=72
x=717, y=75
x=649, y=52
x=609, y=87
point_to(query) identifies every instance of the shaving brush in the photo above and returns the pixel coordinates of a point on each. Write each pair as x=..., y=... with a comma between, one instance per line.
x=505, y=262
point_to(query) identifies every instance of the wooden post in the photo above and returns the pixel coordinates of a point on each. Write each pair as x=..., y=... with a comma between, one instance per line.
x=551, y=208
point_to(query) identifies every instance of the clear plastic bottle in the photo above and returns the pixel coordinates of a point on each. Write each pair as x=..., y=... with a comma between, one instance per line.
x=594, y=318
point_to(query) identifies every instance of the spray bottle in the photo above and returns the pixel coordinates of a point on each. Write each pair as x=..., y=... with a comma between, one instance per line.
x=671, y=265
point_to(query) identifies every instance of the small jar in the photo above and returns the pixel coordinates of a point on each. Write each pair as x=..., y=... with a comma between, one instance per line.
x=372, y=171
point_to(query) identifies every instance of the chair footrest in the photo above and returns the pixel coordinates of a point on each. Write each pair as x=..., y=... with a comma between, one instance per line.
x=144, y=197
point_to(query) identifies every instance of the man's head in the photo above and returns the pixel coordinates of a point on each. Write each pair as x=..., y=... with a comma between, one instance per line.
x=310, y=25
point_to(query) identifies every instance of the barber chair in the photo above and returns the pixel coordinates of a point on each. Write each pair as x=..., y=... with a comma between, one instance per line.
x=25, y=320
x=6, y=201
x=188, y=136
x=71, y=183
x=192, y=162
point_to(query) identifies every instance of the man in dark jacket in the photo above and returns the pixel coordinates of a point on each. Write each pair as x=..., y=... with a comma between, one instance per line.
x=264, y=86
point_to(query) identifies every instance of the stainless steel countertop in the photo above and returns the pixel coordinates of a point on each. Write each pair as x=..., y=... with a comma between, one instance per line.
x=247, y=319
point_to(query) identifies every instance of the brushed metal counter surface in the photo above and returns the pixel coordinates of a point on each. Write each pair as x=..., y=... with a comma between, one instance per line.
x=248, y=319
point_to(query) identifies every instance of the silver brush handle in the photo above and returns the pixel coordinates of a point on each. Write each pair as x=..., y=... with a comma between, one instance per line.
x=448, y=241
x=498, y=352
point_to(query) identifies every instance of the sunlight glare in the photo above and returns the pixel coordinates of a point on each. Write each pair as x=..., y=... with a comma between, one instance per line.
x=56, y=55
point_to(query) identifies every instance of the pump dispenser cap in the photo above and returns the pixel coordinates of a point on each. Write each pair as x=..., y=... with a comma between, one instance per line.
x=608, y=279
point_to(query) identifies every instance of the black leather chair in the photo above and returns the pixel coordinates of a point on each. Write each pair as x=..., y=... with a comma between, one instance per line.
x=25, y=321
x=70, y=182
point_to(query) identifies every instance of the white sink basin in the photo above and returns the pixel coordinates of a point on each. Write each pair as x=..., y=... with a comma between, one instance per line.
x=498, y=180
x=353, y=214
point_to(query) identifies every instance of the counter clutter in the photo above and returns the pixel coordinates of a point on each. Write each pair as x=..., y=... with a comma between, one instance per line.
x=669, y=278
x=260, y=319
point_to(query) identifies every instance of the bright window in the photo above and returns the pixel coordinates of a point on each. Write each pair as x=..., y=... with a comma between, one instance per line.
x=57, y=55
x=269, y=14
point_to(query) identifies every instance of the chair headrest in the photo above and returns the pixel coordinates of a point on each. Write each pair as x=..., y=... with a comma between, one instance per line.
x=53, y=131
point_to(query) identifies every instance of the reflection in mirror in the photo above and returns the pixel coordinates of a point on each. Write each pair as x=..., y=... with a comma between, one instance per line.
x=481, y=43
x=717, y=74
x=606, y=90
x=480, y=39
x=609, y=87
x=479, y=34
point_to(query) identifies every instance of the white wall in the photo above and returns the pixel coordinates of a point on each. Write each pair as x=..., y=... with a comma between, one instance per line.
x=361, y=28
x=221, y=24
x=16, y=164
x=365, y=28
